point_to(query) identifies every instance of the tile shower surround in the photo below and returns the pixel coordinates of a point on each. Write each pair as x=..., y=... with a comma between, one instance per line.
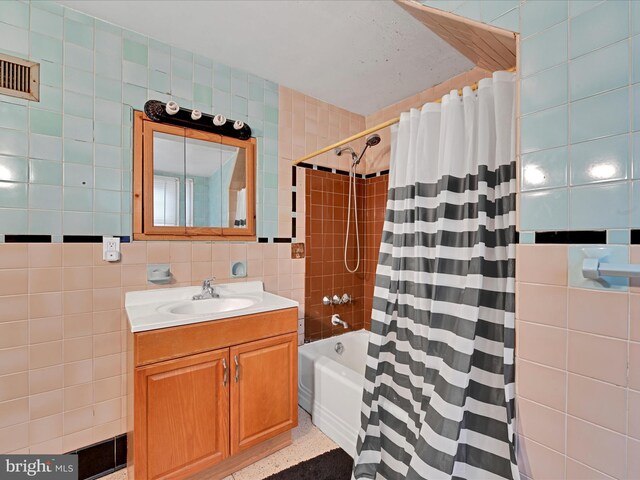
x=325, y=274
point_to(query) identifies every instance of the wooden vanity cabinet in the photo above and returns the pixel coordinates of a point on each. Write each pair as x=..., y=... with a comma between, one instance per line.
x=216, y=410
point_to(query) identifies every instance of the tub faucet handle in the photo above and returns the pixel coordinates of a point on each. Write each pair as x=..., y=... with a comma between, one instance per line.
x=346, y=298
x=336, y=300
x=326, y=300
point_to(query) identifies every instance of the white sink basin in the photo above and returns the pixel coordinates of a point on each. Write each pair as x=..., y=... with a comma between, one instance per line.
x=172, y=307
x=211, y=305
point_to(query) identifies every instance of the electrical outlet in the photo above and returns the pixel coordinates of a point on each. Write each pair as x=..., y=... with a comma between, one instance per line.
x=110, y=249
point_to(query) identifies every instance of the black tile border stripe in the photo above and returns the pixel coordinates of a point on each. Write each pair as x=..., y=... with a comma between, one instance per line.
x=27, y=239
x=102, y=458
x=572, y=237
x=635, y=237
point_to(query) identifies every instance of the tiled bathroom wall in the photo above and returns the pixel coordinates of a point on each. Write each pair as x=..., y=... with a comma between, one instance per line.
x=65, y=162
x=577, y=372
x=325, y=275
x=63, y=329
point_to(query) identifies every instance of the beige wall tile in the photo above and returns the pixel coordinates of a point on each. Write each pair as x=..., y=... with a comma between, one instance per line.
x=107, y=276
x=46, y=379
x=77, y=278
x=538, y=462
x=14, y=360
x=14, y=282
x=45, y=305
x=634, y=318
x=45, y=354
x=14, y=437
x=541, y=384
x=45, y=404
x=14, y=412
x=158, y=252
x=14, y=386
x=106, y=321
x=106, y=366
x=578, y=471
x=634, y=365
x=79, y=301
x=44, y=429
x=78, y=348
x=201, y=252
x=541, y=424
x=180, y=252
x=108, y=411
x=107, y=389
x=136, y=275
x=78, y=396
x=14, y=255
x=106, y=344
x=77, y=254
x=596, y=447
x=598, y=357
x=78, y=325
x=134, y=252
x=106, y=299
x=546, y=264
x=77, y=420
x=45, y=280
x=542, y=344
x=633, y=460
x=597, y=402
x=45, y=329
x=77, y=440
x=45, y=255
x=14, y=334
x=78, y=372
x=14, y=308
x=633, y=428
x=603, y=313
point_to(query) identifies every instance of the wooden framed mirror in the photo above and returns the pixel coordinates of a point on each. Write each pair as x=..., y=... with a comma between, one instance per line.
x=190, y=184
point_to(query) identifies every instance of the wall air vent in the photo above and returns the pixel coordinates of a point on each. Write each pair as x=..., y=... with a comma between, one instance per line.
x=19, y=78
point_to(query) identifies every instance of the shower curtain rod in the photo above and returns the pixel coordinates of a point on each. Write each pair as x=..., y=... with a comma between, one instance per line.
x=373, y=129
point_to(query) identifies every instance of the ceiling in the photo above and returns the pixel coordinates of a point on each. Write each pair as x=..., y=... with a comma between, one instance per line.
x=361, y=55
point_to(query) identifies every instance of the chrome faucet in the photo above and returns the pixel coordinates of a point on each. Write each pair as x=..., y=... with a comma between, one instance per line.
x=207, y=290
x=336, y=320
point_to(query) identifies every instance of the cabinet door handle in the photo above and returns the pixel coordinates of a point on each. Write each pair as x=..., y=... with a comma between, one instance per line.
x=235, y=359
x=225, y=369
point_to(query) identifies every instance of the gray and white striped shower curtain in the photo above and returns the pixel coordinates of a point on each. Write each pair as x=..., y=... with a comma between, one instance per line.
x=439, y=390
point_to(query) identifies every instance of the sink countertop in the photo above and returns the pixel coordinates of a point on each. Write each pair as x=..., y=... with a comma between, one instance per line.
x=145, y=308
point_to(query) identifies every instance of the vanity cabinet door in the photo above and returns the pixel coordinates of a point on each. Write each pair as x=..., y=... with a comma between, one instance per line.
x=182, y=415
x=264, y=393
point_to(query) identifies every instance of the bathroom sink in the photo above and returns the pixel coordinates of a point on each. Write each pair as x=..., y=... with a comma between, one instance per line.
x=211, y=305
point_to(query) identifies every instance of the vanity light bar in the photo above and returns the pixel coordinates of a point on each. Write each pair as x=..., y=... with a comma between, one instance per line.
x=173, y=114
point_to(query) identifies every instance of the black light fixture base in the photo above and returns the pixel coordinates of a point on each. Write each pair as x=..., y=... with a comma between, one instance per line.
x=157, y=111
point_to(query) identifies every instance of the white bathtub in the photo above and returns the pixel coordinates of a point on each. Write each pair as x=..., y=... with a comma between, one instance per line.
x=330, y=385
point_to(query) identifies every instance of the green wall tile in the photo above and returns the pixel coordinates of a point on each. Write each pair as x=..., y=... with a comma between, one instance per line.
x=45, y=122
x=135, y=52
x=13, y=195
x=13, y=169
x=45, y=172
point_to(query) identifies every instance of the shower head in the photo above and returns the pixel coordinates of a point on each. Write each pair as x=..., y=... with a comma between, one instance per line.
x=339, y=151
x=373, y=140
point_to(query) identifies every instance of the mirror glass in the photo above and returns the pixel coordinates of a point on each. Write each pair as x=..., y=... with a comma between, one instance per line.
x=198, y=183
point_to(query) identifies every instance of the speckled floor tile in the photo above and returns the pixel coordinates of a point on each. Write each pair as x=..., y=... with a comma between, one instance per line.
x=308, y=442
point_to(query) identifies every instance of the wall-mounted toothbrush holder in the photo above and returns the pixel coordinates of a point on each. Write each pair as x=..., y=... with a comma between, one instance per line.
x=158, y=274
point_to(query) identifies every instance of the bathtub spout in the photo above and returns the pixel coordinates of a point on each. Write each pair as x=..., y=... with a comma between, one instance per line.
x=336, y=320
